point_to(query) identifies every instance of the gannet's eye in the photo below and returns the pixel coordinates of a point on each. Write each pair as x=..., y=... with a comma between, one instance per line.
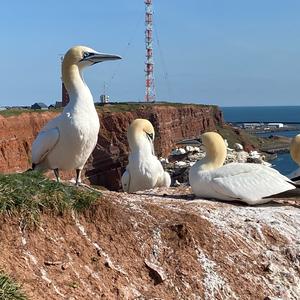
x=85, y=54
x=150, y=136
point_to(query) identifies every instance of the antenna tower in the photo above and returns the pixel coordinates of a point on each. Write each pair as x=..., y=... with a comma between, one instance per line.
x=150, y=90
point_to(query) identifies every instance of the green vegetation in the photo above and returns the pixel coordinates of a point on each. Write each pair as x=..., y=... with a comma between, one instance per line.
x=241, y=136
x=16, y=112
x=110, y=107
x=118, y=107
x=29, y=194
x=133, y=106
x=13, y=112
x=9, y=290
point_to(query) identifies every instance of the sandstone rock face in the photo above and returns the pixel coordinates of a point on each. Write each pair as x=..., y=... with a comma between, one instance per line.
x=107, y=162
x=158, y=244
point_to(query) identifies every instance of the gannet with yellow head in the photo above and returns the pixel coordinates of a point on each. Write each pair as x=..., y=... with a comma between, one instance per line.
x=66, y=142
x=246, y=182
x=144, y=171
x=295, y=154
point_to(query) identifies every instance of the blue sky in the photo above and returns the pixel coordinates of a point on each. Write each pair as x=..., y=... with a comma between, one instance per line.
x=225, y=52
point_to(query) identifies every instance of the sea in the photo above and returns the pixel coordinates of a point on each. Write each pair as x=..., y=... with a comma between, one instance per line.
x=280, y=114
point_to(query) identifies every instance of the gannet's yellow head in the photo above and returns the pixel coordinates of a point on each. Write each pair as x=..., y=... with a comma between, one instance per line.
x=295, y=149
x=140, y=132
x=83, y=56
x=76, y=59
x=216, y=149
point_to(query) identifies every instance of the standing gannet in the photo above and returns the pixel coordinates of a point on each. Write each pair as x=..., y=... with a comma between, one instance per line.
x=295, y=154
x=66, y=142
x=245, y=182
x=144, y=171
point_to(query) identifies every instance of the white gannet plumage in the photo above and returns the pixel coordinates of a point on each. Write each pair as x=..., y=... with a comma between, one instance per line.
x=295, y=154
x=246, y=182
x=144, y=171
x=66, y=142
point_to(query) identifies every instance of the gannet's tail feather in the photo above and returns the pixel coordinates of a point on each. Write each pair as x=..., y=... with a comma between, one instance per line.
x=43, y=144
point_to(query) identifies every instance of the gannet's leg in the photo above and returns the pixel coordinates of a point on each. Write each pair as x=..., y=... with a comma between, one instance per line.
x=56, y=173
x=78, y=180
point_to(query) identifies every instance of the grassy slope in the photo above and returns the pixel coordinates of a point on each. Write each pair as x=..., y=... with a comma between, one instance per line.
x=9, y=290
x=232, y=137
x=29, y=194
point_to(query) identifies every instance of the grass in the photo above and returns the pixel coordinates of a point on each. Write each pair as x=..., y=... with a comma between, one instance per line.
x=13, y=112
x=16, y=112
x=9, y=290
x=30, y=194
x=232, y=137
x=111, y=107
x=123, y=107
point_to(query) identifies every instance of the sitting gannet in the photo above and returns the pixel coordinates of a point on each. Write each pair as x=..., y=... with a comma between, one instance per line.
x=67, y=141
x=295, y=154
x=245, y=182
x=144, y=171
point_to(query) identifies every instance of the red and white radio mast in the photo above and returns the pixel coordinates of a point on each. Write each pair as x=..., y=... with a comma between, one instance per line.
x=150, y=90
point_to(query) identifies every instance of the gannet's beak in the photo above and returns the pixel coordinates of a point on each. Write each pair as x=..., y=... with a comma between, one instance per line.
x=95, y=57
x=150, y=137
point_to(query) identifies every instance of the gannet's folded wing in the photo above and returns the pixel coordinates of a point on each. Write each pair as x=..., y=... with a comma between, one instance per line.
x=43, y=144
x=125, y=181
x=249, y=182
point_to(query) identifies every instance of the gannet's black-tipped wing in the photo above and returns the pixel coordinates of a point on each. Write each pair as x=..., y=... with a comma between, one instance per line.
x=249, y=181
x=43, y=144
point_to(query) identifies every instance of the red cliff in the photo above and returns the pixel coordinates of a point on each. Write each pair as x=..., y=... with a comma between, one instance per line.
x=171, y=122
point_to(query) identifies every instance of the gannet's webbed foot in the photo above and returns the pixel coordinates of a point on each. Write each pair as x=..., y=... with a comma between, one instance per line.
x=78, y=180
x=56, y=173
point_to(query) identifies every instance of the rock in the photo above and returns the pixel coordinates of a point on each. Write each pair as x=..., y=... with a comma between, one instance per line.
x=242, y=156
x=189, y=148
x=180, y=164
x=226, y=143
x=178, y=151
x=163, y=160
x=176, y=183
x=156, y=272
x=238, y=147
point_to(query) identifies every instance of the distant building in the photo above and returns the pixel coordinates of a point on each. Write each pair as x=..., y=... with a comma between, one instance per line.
x=104, y=99
x=276, y=125
x=58, y=104
x=251, y=125
x=39, y=105
x=51, y=106
x=3, y=108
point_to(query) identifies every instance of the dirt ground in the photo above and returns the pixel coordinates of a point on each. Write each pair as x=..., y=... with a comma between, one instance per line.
x=159, y=244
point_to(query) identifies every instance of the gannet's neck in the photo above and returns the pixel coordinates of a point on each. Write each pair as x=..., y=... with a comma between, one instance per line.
x=138, y=143
x=143, y=146
x=78, y=91
x=213, y=159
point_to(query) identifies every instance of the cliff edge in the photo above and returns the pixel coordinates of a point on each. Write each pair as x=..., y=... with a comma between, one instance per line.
x=158, y=244
x=172, y=123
